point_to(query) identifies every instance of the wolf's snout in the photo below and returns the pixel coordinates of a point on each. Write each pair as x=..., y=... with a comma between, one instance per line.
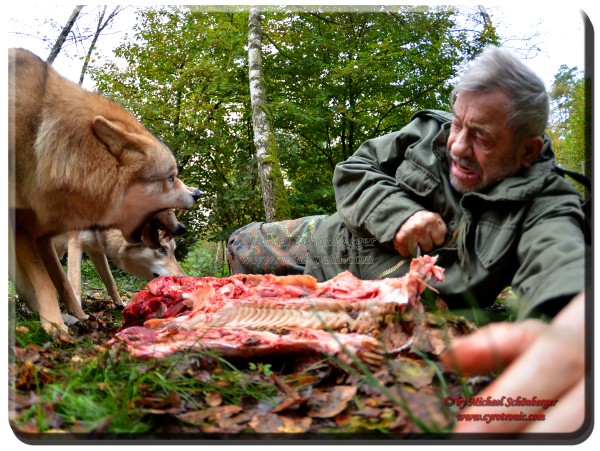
x=194, y=192
x=180, y=230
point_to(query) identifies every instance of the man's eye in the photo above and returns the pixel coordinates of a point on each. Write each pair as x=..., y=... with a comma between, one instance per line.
x=481, y=137
x=483, y=141
x=171, y=178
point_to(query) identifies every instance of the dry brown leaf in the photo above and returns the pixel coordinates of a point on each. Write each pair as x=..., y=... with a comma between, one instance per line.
x=329, y=404
x=29, y=376
x=430, y=340
x=288, y=402
x=412, y=371
x=274, y=423
x=162, y=405
x=213, y=399
x=426, y=405
x=31, y=354
x=369, y=412
x=25, y=400
x=210, y=414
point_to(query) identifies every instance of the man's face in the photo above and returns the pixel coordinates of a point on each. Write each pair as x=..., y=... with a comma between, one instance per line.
x=481, y=149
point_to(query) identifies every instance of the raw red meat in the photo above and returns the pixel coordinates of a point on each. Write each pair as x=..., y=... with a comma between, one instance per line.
x=247, y=315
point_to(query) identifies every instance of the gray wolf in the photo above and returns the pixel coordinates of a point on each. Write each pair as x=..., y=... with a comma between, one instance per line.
x=78, y=161
x=101, y=246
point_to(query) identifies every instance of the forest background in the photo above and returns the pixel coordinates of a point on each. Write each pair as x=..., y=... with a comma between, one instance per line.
x=333, y=77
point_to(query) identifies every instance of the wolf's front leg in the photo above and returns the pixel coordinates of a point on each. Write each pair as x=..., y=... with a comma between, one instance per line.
x=43, y=296
x=59, y=278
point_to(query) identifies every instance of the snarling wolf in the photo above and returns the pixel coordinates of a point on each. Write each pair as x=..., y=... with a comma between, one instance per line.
x=78, y=161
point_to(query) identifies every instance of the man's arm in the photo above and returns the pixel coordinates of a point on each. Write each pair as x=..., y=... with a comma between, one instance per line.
x=551, y=251
x=369, y=198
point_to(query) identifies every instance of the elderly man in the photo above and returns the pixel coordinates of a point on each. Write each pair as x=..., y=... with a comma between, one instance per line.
x=476, y=187
x=479, y=189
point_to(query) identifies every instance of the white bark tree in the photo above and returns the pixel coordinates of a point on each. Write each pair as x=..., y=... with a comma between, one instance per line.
x=273, y=189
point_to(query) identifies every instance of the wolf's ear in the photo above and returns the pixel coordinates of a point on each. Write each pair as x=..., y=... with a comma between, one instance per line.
x=111, y=134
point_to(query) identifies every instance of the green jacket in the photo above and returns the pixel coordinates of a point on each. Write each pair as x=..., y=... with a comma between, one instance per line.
x=524, y=232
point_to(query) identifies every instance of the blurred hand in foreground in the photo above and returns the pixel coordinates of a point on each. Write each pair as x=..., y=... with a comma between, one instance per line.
x=542, y=360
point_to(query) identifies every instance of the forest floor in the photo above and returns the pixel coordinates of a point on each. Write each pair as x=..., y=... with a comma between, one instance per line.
x=81, y=387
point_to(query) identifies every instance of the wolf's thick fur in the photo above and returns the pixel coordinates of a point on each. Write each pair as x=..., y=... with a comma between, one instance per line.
x=77, y=161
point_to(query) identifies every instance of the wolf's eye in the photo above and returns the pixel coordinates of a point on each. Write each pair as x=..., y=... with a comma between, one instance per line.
x=171, y=178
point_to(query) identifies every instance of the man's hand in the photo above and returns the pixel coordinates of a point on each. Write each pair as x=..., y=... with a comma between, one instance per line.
x=424, y=228
x=543, y=361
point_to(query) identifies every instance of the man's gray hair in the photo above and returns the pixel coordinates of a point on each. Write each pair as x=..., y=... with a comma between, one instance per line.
x=497, y=68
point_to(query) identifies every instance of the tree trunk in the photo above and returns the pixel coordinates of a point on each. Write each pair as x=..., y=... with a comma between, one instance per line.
x=102, y=24
x=63, y=35
x=273, y=189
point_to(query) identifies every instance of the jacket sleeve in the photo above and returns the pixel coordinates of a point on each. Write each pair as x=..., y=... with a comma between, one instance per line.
x=552, y=252
x=369, y=198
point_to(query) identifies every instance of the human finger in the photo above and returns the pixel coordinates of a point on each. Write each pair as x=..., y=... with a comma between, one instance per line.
x=567, y=415
x=492, y=347
x=438, y=231
x=536, y=374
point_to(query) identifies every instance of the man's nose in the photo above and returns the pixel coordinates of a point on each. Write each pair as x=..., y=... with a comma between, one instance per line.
x=462, y=146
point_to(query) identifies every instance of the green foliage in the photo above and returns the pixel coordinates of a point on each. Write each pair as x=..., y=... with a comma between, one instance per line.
x=261, y=368
x=186, y=79
x=340, y=76
x=568, y=129
x=205, y=259
x=334, y=77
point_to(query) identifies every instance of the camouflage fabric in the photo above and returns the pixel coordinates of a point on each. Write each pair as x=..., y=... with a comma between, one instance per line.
x=272, y=247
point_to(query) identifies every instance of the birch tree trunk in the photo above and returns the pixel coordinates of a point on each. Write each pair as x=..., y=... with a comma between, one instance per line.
x=271, y=179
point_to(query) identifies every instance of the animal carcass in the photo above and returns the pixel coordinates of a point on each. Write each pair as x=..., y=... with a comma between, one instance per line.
x=249, y=315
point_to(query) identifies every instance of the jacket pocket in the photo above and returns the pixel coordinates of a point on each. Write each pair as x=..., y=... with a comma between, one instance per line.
x=415, y=179
x=493, y=242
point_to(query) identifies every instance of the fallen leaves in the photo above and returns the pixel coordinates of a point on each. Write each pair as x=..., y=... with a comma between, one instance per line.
x=414, y=372
x=29, y=374
x=213, y=399
x=328, y=403
x=280, y=424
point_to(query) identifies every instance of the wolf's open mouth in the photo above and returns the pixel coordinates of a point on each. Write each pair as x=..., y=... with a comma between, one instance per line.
x=165, y=223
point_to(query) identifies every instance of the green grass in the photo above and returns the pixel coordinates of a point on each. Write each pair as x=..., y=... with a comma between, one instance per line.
x=83, y=387
x=112, y=389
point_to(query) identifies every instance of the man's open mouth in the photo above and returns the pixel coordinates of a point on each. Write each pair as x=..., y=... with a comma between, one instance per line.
x=163, y=225
x=464, y=169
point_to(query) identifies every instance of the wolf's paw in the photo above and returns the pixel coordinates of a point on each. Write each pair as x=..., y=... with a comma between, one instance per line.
x=70, y=320
x=55, y=328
